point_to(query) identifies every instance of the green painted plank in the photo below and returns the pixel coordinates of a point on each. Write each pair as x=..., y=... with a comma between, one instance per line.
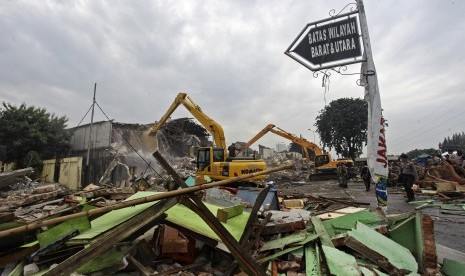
x=110, y=258
x=453, y=268
x=187, y=218
x=312, y=260
x=308, y=239
x=278, y=254
x=282, y=242
x=64, y=229
x=367, y=272
x=399, y=256
x=340, y=263
x=178, y=214
x=320, y=229
x=341, y=225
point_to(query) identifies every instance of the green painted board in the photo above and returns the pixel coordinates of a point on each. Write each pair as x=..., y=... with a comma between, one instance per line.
x=183, y=216
x=399, y=256
x=278, y=254
x=453, y=268
x=312, y=260
x=321, y=230
x=282, y=242
x=110, y=258
x=347, y=222
x=65, y=228
x=340, y=263
x=106, y=222
x=367, y=272
x=178, y=214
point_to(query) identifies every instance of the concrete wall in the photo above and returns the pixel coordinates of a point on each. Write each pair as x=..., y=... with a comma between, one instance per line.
x=70, y=172
x=101, y=136
x=48, y=171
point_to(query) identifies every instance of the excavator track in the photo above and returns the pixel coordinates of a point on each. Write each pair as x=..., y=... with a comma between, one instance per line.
x=322, y=176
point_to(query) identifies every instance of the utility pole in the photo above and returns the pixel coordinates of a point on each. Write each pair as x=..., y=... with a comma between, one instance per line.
x=89, y=144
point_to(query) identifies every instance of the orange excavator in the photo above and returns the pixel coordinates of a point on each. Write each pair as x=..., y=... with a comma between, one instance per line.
x=325, y=166
x=213, y=162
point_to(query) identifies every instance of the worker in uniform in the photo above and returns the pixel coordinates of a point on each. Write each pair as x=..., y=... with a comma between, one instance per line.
x=342, y=174
x=232, y=150
x=408, y=175
x=366, y=176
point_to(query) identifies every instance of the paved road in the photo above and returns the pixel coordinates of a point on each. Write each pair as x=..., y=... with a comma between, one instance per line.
x=449, y=229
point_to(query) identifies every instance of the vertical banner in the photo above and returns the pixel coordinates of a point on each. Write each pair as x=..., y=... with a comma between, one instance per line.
x=376, y=140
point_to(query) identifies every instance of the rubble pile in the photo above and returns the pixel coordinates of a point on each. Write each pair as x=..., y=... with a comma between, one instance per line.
x=153, y=228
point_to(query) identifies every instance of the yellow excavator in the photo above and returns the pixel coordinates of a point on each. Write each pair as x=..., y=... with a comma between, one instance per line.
x=325, y=166
x=213, y=161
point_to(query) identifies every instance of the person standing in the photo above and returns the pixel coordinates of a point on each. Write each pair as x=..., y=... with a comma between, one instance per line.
x=342, y=174
x=408, y=176
x=366, y=176
x=232, y=150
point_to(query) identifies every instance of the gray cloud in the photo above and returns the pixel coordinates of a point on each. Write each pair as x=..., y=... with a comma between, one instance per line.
x=228, y=55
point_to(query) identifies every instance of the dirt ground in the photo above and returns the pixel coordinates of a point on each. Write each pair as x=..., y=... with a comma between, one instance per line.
x=449, y=229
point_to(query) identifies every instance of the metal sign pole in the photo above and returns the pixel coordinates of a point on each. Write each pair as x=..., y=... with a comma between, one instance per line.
x=376, y=141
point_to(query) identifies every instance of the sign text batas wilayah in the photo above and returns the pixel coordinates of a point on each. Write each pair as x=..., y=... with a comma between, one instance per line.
x=322, y=45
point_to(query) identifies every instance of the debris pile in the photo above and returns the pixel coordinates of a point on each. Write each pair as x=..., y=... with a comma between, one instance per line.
x=255, y=231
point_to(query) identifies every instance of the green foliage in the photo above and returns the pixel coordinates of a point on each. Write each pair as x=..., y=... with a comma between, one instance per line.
x=342, y=126
x=457, y=142
x=32, y=159
x=30, y=129
x=417, y=152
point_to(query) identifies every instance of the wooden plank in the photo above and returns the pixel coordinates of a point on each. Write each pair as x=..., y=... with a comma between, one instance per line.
x=312, y=260
x=226, y=213
x=254, y=215
x=320, y=229
x=282, y=242
x=391, y=256
x=107, y=240
x=278, y=254
x=284, y=227
x=181, y=268
x=340, y=263
x=197, y=205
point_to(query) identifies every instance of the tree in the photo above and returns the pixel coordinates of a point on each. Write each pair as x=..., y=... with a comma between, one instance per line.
x=342, y=126
x=28, y=129
x=457, y=142
x=416, y=152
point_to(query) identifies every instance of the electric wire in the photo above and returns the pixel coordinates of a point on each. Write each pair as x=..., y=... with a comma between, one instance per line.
x=122, y=136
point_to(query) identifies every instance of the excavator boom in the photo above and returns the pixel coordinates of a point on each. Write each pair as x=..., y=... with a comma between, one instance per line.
x=278, y=131
x=208, y=123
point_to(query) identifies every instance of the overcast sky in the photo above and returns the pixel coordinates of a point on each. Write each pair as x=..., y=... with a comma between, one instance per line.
x=229, y=57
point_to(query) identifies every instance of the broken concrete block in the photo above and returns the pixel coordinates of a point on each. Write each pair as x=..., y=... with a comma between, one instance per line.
x=388, y=254
x=30, y=269
x=173, y=241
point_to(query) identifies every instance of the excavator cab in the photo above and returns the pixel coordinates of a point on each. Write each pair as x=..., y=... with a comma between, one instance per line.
x=321, y=160
x=205, y=160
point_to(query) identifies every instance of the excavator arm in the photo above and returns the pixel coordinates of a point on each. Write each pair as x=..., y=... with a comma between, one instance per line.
x=278, y=131
x=208, y=123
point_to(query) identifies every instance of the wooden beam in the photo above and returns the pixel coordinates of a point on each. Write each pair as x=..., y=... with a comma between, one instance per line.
x=226, y=213
x=199, y=207
x=106, y=209
x=112, y=237
x=320, y=229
